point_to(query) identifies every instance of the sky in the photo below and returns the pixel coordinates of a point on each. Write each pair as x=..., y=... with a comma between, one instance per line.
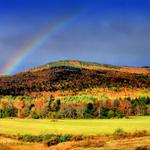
x=35, y=32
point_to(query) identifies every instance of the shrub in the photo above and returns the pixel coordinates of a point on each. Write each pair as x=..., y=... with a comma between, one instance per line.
x=80, y=112
x=48, y=136
x=35, y=116
x=26, y=110
x=120, y=132
x=104, y=112
x=48, y=139
x=8, y=111
x=119, y=114
x=64, y=138
x=28, y=138
x=68, y=112
x=111, y=114
x=53, y=115
x=34, y=138
x=88, y=116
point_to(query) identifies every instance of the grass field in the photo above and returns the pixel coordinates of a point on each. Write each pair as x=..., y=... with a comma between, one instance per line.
x=86, y=127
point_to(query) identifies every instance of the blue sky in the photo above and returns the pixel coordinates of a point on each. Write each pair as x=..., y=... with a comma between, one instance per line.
x=105, y=31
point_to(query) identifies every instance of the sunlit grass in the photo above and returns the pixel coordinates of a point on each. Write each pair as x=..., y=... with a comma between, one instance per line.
x=80, y=126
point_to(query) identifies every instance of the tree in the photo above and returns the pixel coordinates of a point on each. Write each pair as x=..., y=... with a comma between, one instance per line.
x=8, y=110
x=50, y=108
x=125, y=107
x=57, y=105
x=104, y=112
x=89, y=108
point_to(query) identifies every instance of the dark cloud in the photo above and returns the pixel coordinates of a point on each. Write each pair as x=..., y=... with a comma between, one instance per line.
x=110, y=31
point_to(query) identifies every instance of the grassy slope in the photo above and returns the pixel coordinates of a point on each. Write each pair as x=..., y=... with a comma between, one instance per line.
x=93, y=65
x=75, y=63
x=86, y=127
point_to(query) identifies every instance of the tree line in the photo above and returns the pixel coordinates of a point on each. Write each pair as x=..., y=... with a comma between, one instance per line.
x=54, y=108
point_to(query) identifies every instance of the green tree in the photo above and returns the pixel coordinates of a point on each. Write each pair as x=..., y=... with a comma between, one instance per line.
x=52, y=99
x=57, y=105
x=104, y=112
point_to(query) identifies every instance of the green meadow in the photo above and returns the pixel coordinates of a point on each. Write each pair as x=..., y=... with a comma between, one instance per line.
x=71, y=126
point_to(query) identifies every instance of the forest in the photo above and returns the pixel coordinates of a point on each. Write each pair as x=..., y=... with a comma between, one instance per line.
x=55, y=109
x=66, y=78
x=65, y=89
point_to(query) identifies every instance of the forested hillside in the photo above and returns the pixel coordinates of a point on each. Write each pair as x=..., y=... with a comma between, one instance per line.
x=73, y=77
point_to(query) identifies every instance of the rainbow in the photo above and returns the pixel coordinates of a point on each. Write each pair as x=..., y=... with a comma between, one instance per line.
x=12, y=65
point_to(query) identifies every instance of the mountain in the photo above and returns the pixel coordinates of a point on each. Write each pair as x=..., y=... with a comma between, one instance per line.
x=74, y=76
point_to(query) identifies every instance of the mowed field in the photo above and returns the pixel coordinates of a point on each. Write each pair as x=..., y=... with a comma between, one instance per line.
x=74, y=126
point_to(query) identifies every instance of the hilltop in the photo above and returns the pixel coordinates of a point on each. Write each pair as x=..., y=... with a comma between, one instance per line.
x=74, y=76
x=92, y=65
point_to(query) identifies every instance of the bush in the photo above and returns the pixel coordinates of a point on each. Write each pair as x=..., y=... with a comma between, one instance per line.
x=111, y=114
x=119, y=114
x=88, y=116
x=26, y=110
x=68, y=112
x=64, y=138
x=104, y=112
x=48, y=136
x=53, y=115
x=8, y=111
x=48, y=139
x=120, y=132
x=35, y=116
x=80, y=112
x=28, y=138
x=33, y=138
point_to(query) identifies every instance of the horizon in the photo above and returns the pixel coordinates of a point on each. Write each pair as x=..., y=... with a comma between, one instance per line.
x=112, y=32
x=72, y=60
